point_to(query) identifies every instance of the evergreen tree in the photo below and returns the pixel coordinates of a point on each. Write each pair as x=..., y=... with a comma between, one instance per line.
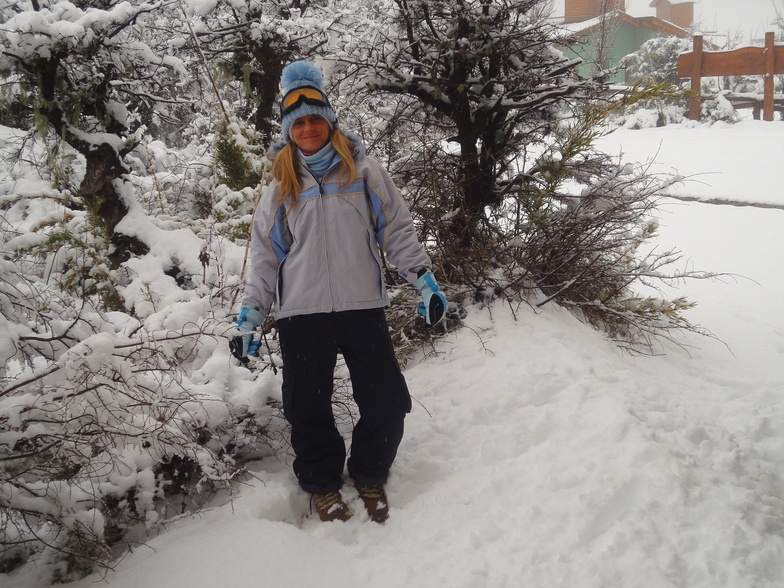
x=656, y=61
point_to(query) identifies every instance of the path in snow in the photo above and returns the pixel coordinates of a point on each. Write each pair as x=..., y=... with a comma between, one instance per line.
x=538, y=454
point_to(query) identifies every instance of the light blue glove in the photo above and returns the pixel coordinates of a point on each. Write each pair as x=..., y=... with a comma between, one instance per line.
x=248, y=320
x=433, y=305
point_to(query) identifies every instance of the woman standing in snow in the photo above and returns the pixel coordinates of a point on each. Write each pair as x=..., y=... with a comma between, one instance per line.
x=315, y=256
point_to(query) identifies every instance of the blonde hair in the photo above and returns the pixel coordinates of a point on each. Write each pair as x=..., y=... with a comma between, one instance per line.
x=285, y=166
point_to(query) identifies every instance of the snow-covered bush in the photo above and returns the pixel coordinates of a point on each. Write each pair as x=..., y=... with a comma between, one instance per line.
x=119, y=405
x=103, y=444
x=581, y=236
x=718, y=109
x=646, y=118
x=656, y=61
x=238, y=156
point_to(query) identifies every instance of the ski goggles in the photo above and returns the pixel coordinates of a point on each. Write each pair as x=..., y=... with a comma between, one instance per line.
x=299, y=96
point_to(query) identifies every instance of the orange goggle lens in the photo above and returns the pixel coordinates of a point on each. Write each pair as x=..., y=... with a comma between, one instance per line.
x=302, y=95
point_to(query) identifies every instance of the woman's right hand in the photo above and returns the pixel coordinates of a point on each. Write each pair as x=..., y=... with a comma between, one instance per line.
x=248, y=320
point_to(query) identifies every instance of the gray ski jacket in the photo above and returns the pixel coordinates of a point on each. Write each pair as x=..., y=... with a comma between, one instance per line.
x=323, y=253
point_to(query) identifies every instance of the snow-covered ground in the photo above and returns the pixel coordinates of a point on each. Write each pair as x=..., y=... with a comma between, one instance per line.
x=540, y=455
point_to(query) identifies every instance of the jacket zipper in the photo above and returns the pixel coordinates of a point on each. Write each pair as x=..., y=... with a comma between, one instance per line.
x=325, y=227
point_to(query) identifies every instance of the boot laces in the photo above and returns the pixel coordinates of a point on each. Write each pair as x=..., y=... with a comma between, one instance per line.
x=371, y=491
x=327, y=500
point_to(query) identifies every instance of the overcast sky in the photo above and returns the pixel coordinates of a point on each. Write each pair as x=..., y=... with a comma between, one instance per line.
x=750, y=18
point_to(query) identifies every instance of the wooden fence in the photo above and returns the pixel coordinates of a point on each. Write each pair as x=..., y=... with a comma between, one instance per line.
x=753, y=61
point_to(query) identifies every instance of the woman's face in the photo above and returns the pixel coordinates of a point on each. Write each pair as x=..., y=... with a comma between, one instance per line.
x=310, y=133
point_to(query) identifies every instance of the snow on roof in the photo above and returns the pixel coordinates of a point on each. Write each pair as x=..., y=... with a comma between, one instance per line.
x=651, y=22
x=655, y=3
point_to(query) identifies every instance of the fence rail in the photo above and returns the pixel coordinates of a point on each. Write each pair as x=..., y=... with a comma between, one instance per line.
x=764, y=61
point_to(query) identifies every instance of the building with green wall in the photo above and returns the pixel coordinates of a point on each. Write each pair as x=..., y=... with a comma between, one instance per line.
x=606, y=33
x=604, y=40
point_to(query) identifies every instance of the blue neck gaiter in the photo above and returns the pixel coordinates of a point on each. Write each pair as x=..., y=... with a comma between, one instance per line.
x=320, y=161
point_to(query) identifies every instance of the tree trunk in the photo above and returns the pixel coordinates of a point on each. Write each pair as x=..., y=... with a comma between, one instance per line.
x=100, y=197
x=103, y=166
x=265, y=87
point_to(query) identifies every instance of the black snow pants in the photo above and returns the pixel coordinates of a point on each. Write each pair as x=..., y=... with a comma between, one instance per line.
x=309, y=346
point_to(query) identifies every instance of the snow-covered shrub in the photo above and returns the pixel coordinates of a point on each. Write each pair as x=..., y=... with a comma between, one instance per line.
x=654, y=63
x=103, y=443
x=104, y=433
x=646, y=118
x=178, y=188
x=570, y=223
x=238, y=156
x=113, y=417
x=578, y=236
x=718, y=109
x=240, y=169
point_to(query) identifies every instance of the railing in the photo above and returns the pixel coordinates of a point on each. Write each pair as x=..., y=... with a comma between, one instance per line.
x=761, y=61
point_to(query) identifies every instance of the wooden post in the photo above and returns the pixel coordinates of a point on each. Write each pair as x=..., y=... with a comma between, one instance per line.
x=696, y=78
x=770, y=69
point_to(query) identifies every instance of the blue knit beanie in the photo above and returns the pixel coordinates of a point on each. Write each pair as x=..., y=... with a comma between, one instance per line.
x=297, y=75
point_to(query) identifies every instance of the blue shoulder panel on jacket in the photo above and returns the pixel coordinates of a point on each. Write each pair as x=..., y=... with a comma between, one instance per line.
x=378, y=211
x=309, y=193
x=333, y=187
x=279, y=245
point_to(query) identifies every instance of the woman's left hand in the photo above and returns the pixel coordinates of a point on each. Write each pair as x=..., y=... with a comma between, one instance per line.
x=434, y=304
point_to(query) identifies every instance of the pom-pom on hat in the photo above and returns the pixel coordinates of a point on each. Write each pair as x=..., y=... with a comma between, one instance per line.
x=303, y=95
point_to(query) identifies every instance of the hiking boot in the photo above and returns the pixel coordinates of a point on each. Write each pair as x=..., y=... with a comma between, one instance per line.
x=375, y=500
x=330, y=507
